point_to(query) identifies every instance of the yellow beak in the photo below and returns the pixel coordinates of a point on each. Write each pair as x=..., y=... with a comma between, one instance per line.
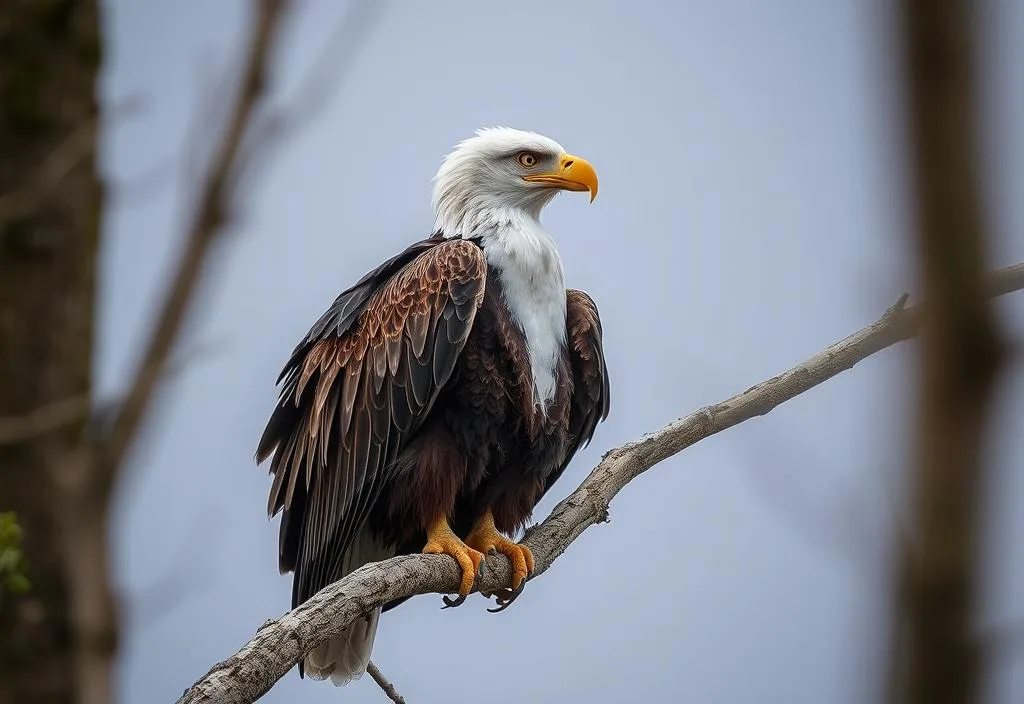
x=573, y=174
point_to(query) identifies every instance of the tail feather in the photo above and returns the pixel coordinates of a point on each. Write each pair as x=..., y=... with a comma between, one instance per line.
x=345, y=657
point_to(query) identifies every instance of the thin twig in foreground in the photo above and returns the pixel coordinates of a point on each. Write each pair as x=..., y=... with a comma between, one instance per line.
x=382, y=681
x=15, y=429
x=279, y=645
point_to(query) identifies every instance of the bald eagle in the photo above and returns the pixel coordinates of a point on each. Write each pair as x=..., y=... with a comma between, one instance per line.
x=437, y=400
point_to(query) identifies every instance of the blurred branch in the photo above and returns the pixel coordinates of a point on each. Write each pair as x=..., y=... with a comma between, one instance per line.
x=245, y=133
x=279, y=645
x=382, y=681
x=56, y=415
x=84, y=474
x=75, y=149
x=209, y=221
x=335, y=59
x=17, y=429
x=961, y=354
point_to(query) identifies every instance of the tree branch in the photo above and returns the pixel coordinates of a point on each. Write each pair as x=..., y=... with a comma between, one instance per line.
x=280, y=644
x=41, y=186
x=383, y=683
x=16, y=429
x=208, y=223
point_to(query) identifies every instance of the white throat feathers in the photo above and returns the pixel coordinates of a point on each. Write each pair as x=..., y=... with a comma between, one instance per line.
x=479, y=193
x=533, y=281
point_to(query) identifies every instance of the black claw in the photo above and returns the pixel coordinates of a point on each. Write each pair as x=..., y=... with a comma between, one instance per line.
x=505, y=597
x=450, y=603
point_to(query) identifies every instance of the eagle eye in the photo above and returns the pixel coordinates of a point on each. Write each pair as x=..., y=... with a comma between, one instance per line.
x=527, y=159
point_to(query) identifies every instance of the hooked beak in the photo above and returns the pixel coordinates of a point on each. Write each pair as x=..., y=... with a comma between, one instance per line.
x=573, y=174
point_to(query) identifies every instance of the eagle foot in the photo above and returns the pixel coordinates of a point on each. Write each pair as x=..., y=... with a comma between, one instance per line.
x=486, y=538
x=442, y=541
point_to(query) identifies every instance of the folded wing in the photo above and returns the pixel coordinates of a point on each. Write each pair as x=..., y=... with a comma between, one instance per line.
x=355, y=391
x=591, y=394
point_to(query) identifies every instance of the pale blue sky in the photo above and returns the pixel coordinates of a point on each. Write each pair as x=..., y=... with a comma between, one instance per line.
x=751, y=213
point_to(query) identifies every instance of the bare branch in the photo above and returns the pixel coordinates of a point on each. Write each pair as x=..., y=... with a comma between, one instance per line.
x=332, y=65
x=280, y=644
x=52, y=416
x=75, y=149
x=382, y=681
x=209, y=221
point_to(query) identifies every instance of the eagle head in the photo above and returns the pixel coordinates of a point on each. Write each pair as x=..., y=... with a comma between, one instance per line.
x=500, y=173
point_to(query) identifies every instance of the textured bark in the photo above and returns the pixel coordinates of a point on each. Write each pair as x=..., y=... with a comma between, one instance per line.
x=961, y=355
x=280, y=644
x=389, y=689
x=50, y=201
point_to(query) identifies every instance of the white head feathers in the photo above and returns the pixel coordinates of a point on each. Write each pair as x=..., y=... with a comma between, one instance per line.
x=479, y=185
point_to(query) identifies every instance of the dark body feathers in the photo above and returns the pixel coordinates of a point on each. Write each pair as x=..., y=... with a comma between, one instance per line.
x=412, y=397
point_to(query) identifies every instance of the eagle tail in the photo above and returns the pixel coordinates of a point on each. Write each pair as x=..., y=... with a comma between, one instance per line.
x=345, y=657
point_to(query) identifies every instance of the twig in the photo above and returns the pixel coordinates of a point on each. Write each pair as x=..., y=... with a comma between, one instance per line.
x=209, y=221
x=382, y=681
x=56, y=415
x=335, y=59
x=279, y=645
x=76, y=148
x=15, y=429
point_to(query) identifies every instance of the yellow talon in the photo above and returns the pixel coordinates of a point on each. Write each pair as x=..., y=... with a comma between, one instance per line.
x=442, y=541
x=486, y=538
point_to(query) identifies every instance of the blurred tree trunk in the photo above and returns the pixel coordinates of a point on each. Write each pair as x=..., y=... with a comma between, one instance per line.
x=50, y=205
x=961, y=355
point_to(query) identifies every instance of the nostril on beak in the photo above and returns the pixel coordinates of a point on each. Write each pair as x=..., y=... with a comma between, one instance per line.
x=567, y=164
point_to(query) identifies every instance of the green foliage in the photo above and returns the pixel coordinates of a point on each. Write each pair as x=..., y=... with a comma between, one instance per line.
x=12, y=562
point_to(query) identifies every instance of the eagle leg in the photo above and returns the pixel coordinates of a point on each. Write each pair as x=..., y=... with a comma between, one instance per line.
x=442, y=541
x=486, y=538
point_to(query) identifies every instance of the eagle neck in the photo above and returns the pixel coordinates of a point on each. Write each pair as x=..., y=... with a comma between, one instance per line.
x=531, y=277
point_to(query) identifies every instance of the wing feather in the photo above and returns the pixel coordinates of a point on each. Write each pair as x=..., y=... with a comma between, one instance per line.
x=591, y=395
x=356, y=390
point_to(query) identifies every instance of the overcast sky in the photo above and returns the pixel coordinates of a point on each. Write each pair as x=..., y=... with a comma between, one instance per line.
x=752, y=211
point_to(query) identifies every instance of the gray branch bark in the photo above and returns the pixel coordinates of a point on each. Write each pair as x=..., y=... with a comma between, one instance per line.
x=279, y=645
x=384, y=683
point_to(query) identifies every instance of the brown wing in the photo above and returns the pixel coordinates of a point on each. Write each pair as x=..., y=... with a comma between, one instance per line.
x=355, y=393
x=591, y=394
